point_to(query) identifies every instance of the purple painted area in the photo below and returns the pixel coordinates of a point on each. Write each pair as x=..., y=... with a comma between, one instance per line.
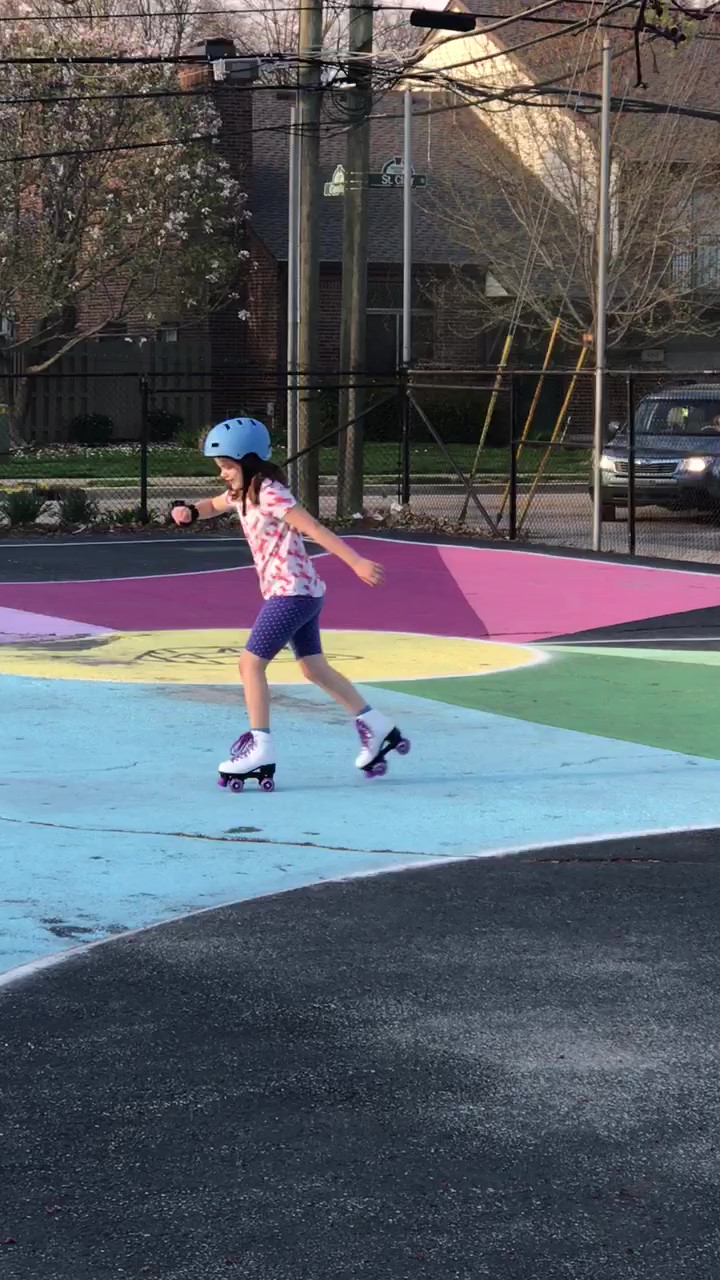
x=193, y=600
x=17, y=624
x=450, y=591
x=418, y=594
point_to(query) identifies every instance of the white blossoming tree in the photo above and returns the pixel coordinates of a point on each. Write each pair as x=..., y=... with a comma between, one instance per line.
x=98, y=223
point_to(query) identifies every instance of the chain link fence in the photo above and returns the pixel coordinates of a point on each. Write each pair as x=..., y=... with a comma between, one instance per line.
x=471, y=453
x=519, y=454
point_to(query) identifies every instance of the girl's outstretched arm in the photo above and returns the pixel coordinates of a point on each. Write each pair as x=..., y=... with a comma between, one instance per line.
x=369, y=572
x=206, y=509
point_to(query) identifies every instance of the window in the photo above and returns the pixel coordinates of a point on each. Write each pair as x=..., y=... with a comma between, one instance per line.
x=697, y=265
x=384, y=339
x=694, y=416
x=113, y=329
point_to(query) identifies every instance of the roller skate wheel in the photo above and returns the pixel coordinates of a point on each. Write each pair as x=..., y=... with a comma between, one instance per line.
x=403, y=746
x=378, y=770
x=267, y=784
x=237, y=784
x=222, y=782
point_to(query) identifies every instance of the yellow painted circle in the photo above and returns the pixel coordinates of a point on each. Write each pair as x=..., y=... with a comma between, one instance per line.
x=210, y=657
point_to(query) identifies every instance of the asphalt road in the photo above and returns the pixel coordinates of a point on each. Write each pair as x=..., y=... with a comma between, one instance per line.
x=502, y=1068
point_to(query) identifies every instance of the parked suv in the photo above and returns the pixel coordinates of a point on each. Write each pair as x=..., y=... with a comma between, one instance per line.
x=677, y=453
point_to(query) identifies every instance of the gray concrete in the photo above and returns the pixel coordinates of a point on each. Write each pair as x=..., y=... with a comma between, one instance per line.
x=503, y=1069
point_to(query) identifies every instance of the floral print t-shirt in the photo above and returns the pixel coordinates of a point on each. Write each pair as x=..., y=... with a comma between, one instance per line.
x=283, y=565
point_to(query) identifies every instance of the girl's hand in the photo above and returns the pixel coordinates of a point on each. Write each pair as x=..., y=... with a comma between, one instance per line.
x=181, y=515
x=369, y=573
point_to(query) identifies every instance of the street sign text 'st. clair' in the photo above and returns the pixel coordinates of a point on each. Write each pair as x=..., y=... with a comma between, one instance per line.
x=392, y=174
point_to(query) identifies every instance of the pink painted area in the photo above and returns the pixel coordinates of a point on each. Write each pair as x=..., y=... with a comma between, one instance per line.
x=455, y=591
x=18, y=623
x=419, y=595
x=519, y=596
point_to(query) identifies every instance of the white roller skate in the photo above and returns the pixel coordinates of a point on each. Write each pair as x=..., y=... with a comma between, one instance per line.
x=378, y=736
x=252, y=756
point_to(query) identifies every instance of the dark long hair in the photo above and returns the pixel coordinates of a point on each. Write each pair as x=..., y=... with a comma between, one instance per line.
x=254, y=472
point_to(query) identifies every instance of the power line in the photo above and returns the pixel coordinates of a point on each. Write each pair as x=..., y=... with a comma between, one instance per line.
x=101, y=151
x=619, y=105
x=126, y=60
x=150, y=94
x=697, y=14
x=194, y=13
x=509, y=95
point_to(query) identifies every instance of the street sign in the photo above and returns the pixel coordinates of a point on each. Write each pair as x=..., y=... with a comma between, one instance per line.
x=336, y=185
x=392, y=174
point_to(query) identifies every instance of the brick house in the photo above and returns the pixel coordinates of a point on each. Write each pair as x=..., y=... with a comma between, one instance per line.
x=542, y=51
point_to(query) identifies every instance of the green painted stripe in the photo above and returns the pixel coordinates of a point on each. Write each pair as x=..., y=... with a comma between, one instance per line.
x=666, y=704
x=705, y=657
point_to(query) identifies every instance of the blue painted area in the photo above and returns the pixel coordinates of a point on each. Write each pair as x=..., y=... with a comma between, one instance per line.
x=136, y=830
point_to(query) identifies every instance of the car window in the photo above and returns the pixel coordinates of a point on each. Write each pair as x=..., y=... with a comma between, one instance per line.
x=690, y=417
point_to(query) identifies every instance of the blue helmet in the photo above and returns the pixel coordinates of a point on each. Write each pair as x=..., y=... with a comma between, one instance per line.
x=236, y=437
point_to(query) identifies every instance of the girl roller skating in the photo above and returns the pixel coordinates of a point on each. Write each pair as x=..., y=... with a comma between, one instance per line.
x=274, y=525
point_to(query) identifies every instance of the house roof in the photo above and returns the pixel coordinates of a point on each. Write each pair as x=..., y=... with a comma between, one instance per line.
x=686, y=76
x=433, y=242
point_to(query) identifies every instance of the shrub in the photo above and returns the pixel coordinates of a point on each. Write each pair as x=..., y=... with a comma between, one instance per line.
x=22, y=506
x=189, y=439
x=77, y=506
x=91, y=429
x=163, y=425
x=128, y=515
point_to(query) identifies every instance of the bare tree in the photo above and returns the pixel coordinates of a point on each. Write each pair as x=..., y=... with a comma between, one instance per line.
x=162, y=27
x=521, y=208
x=271, y=26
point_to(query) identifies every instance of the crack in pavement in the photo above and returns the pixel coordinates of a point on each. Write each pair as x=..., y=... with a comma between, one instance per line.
x=226, y=839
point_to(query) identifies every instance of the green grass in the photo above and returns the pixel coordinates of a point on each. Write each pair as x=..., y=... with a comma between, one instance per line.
x=109, y=465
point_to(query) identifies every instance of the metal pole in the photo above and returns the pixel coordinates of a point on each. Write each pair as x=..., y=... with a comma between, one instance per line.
x=310, y=45
x=292, y=293
x=511, y=490
x=603, y=234
x=144, y=424
x=405, y=425
x=631, y=463
x=354, y=268
x=407, y=230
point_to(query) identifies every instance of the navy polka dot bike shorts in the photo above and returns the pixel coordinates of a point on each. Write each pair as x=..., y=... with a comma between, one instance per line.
x=284, y=620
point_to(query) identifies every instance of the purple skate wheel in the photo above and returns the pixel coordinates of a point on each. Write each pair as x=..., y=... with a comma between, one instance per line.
x=222, y=782
x=403, y=746
x=267, y=784
x=378, y=770
x=237, y=784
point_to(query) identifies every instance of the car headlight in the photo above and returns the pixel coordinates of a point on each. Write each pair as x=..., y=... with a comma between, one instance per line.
x=608, y=465
x=695, y=465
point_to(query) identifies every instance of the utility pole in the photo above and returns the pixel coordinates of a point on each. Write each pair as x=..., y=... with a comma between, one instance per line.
x=292, y=294
x=603, y=238
x=310, y=46
x=352, y=395
x=407, y=228
x=407, y=292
